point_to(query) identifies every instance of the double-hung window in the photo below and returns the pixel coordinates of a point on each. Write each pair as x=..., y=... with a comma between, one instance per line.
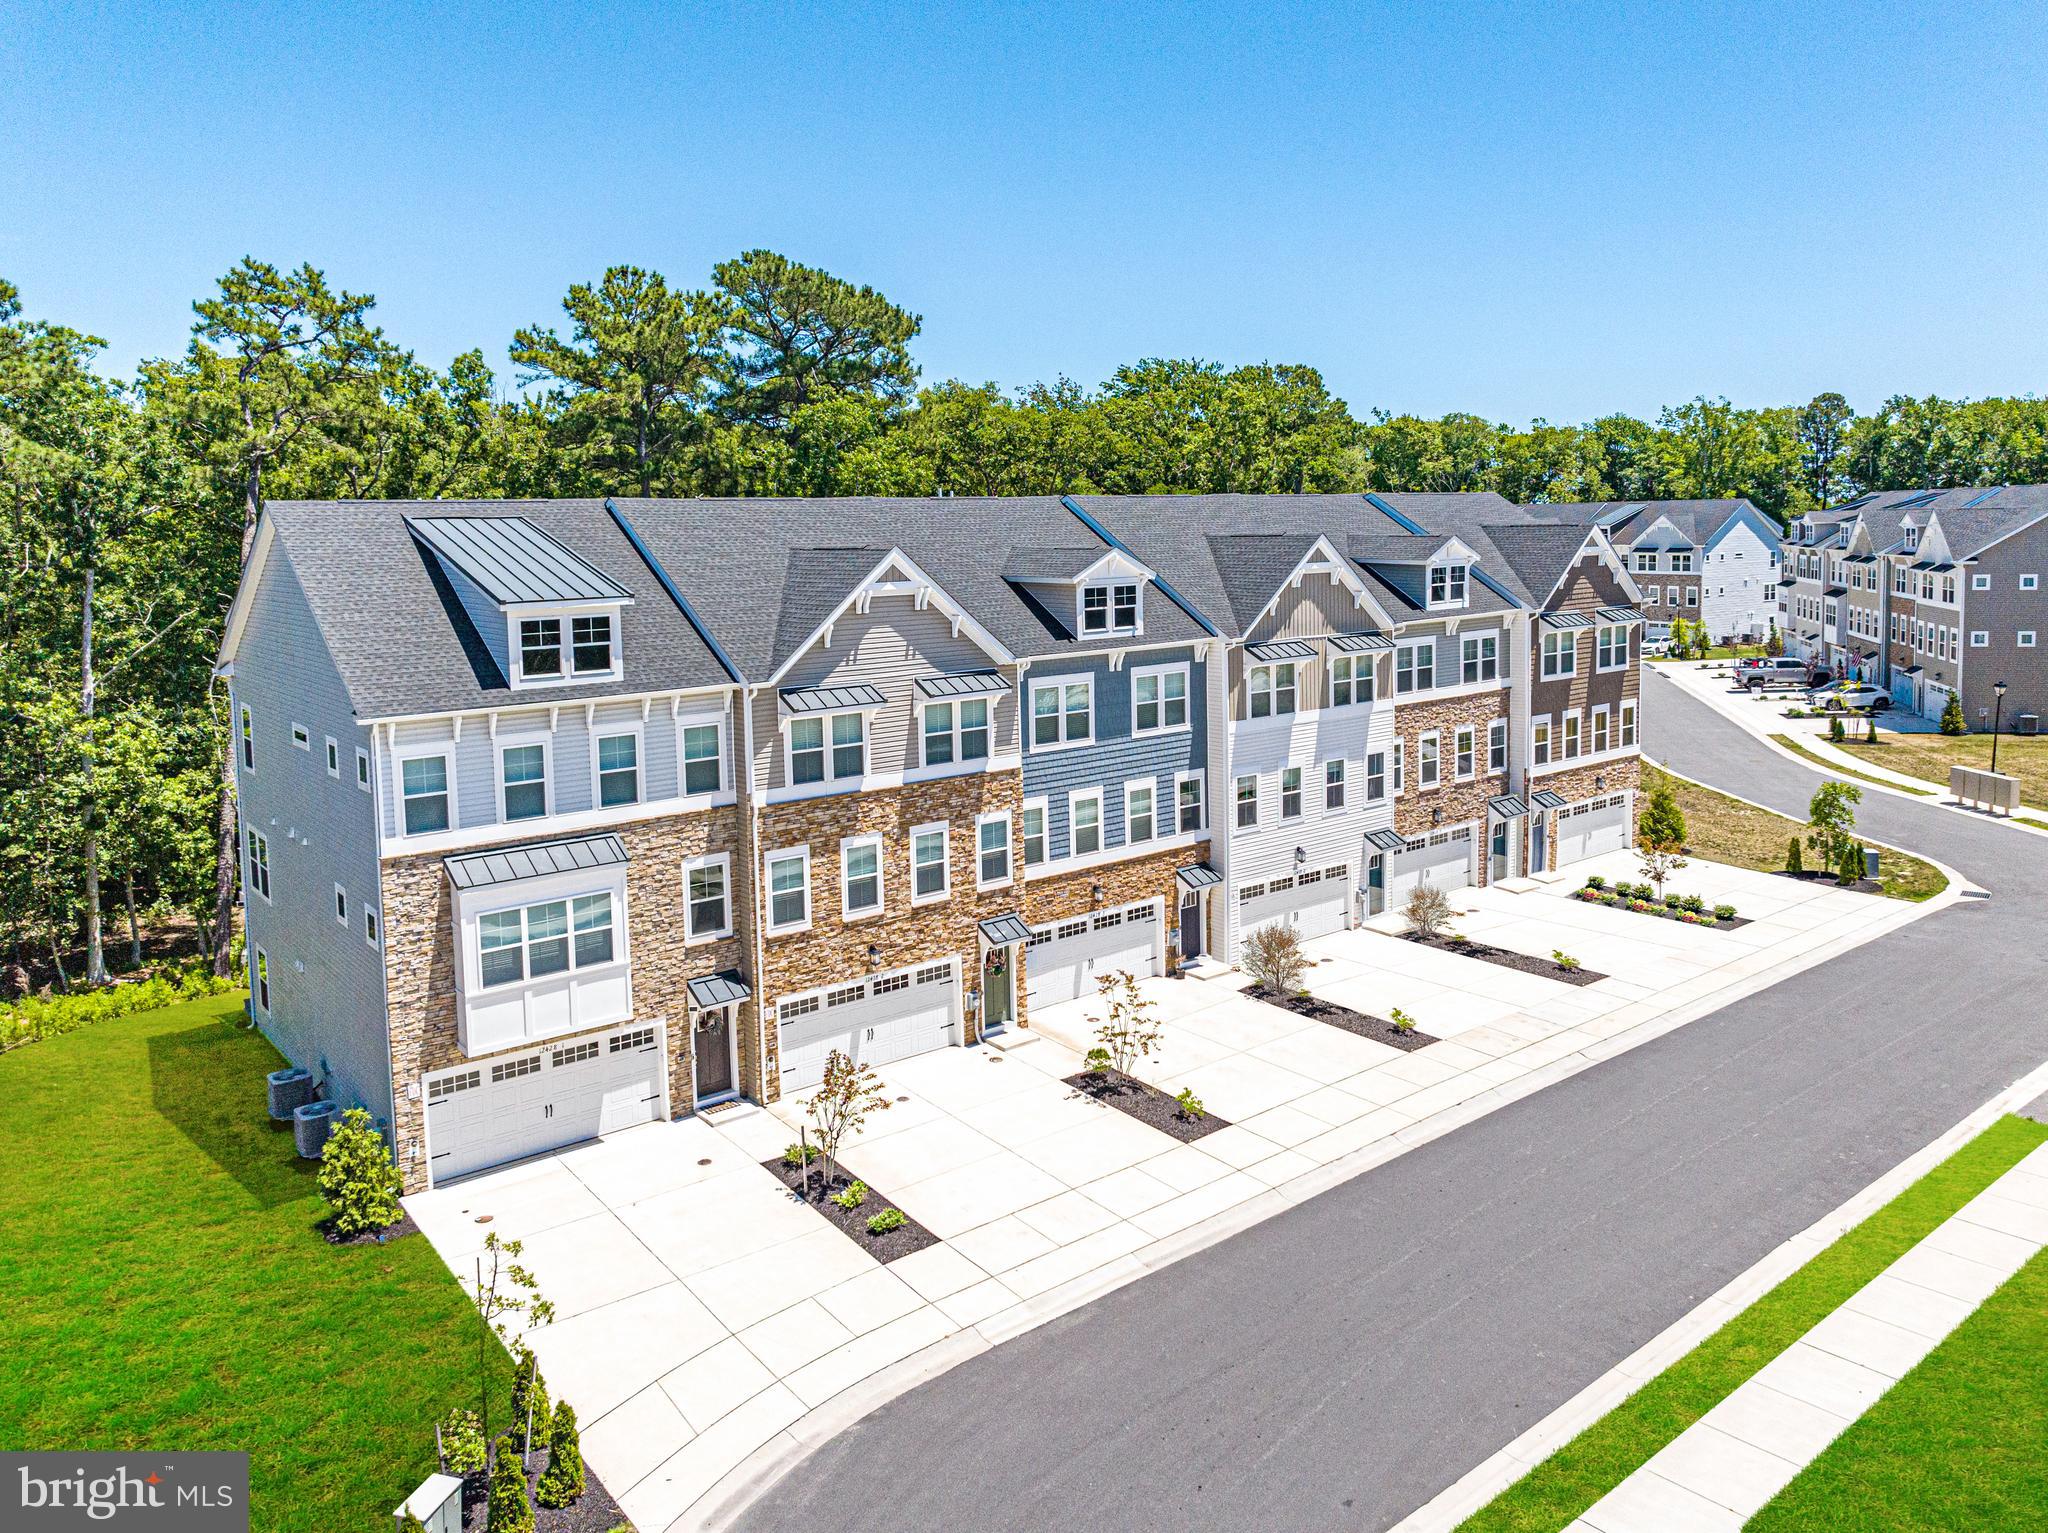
x=423, y=786
x=551, y=937
x=258, y=877
x=1272, y=690
x=1062, y=712
x=1159, y=699
x=334, y=758
x=1247, y=801
x=1571, y=736
x=929, y=878
x=1032, y=832
x=708, y=910
x=703, y=752
x=1415, y=667
x=1290, y=793
x=956, y=731
x=1141, y=819
x=1560, y=654
x=992, y=850
x=1187, y=795
x=248, y=741
x=831, y=747
x=1084, y=823
x=1351, y=678
x=1447, y=585
x=860, y=876
x=1465, y=750
x=1481, y=654
x=1600, y=730
x=523, y=771
x=1109, y=608
x=1428, y=763
x=1333, y=785
x=789, y=889
x=618, y=770
x=1497, y=746
x=1375, y=776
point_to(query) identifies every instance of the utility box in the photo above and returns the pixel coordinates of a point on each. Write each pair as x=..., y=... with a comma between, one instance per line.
x=437, y=1504
x=1870, y=862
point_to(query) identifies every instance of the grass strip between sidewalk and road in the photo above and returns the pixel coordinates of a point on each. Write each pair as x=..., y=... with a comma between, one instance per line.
x=1725, y=829
x=1838, y=770
x=1568, y=1482
x=1929, y=756
x=1960, y=1442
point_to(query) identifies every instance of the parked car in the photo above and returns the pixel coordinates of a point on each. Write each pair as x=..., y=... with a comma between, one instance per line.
x=1845, y=695
x=1781, y=671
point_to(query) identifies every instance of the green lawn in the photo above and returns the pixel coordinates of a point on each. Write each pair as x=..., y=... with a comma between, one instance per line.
x=1836, y=769
x=1725, y=829
x=165, y=1285
x=1960, y=1442
x=1930, y=756
x=1600, y=1458
x=1718, y=652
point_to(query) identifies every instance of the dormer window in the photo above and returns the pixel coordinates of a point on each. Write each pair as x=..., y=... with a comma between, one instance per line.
x=1109, y=608
x=1447, y=585
x=541, y=655
x=1912, y=538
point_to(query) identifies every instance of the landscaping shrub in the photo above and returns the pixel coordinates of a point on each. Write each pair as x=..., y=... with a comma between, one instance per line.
x=1565, y=961
x=562, y=1481
x=799, y=1155
x=1693, y=903
x=1403, y=1023
x=888, y=1219
x=855, y=1194
x=411, y=1524
x=357, y=1177
x=1724, y=912
x=508, y=1510
x=1870, y=734
x=1595, y=881
x=1191, y=1105
x=1273, y=958
x=1674, y=901
x=1836, y=733
x=529, y=1397
x=1794, y=862
x=47, y=1016
x=1428, y=909
x=462, y=1443
x=1952, y=720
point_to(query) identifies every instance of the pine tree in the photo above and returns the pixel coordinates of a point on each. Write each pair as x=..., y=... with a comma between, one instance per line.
x=562, y=1482
x=410, y=1524
x=528, y=1387
x=1952, y=720
x=1870, y=734
x=508, y=1510
x=357, y=1177
x=1795, y=859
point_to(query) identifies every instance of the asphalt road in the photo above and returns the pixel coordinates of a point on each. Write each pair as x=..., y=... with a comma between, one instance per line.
x=1338, y=1365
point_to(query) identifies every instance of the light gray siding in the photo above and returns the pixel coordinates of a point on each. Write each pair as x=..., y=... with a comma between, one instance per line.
x=485, y=615
x=326, y=981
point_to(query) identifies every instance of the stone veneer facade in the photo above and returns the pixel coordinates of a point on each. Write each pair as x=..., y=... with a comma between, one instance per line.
x=833, y=949
x=1617, y=773
x=419, y=963
x=1460, y=801
x=1060, y=896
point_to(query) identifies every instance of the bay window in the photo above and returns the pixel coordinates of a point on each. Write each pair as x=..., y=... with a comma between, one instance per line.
x=551, y=937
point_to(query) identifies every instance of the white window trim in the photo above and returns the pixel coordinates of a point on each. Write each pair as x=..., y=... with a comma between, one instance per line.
x=1409, y=649
x=1002, y=817
x=302, y=737
x=715, y=720
x=1271, y=690
x=248, y=885
x=1980, y=638
x=832, y=774
x=2024, y=638
x=245, y=743
x=365, y=779
x=768, y=861
x=506, y=743
x=399, y=759
x=1496, y=729
x=1342, y=783
x=340, y=905
x=1141, y=784
x=1450, y=603
x=1980, y=582
x=1622, y=647
x=1626, y=719
x=639, y=734
x=1060, y=683
x=1397, y=766
x=1093, y=796
x=959, y=762
x=1199, y=778
x=1187, y=699
x=1044, y=807
x=260, y=980
x=1479, y=640
x=1364, y=665
x=2030, y=582
x=332, y=748
x=1110, y=626
x=1280, y=792
x=945, y=890
x=722, y=861
x=569, y=676
x=1566, y=650
x=545, y=892
x=1238, y=801
x=1568, y=734
x=1429, y=737
x=1458, y=750
x=881, y=904
x=1602, y=716
x=372, y=927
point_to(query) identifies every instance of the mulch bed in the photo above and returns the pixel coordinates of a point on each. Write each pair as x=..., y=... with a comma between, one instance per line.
x=1365, y=1025
x=382, y=1237
x=593, y=1512
x=1705, y=926
x=853, y=1222
x=1506, y=958
x=1148, y=1104
x=1861, y=886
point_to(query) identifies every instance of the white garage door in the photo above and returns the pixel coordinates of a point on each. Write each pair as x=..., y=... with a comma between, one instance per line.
x=1587, y=829
x=871, y=1021
x=1443, y=859
x=1062, y=961
x=1314, y=903
x=502, y=1109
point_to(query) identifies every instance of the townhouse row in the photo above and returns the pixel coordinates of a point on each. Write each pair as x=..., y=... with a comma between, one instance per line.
x=1928, y=594
x=561, y=816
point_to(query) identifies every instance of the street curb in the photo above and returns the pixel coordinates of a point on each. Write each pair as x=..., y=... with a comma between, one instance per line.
x=1478, y=1486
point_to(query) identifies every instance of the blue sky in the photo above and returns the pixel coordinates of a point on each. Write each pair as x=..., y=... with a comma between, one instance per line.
x=1515, y=210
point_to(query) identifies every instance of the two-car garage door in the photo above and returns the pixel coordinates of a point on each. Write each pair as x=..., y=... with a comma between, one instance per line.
x=1441, y=859
x=1588, y=828
x=1064, y=959
x=871, y=1021
x=524, y=1104
x=1315, y=903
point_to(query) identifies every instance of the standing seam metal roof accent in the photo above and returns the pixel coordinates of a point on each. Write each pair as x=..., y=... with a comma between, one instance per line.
x=514, y=561
x=505, y=865
x=1200, y=876
x=1567, y=620
x=1507, y=807
x=827, y=699
x=1619, y=615
x=1356, y=643
x=720, y=989
x=1387, y=840
x=1546, y=798
x=1281, y=649
x=1002, y=930
x=963, y=684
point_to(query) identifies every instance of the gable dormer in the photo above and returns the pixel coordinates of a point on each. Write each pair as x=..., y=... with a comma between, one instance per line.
x=547, y=616
x=1449, y=578
x=1095, y=593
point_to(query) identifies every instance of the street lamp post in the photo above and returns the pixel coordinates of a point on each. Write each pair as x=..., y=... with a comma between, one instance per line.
x=1997, y=717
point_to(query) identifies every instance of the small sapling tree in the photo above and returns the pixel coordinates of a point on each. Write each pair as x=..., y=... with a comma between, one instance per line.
x=1831, y=826
x=1428, y=909
x=1273, y=957
x=504, y=1291
x=1128, y=1031
x=841, y=1105
x=1660, y=838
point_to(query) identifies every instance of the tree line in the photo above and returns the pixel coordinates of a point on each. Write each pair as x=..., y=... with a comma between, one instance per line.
x=129, y=503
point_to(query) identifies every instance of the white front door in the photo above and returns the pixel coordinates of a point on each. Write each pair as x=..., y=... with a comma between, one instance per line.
x=524, y=1104
x=871, y=1021
x=1315, y=902
x=1063, y=959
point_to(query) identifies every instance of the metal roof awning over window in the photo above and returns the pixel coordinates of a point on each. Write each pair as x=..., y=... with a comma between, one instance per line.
x=1939, y=569
x=1005, y=929
x=1386, y=840
x=1836, y=591
x=1506, y=807
x=479, y=870
x=1281, y=649
x=1911, y=670
x=1200, y=876
x=1357, y=643
x=1620, y=615
x=1567, y=620
x=514, y=561
x=964, y=684
x=721, y=989
x=1545, y=799
x=830, y=699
